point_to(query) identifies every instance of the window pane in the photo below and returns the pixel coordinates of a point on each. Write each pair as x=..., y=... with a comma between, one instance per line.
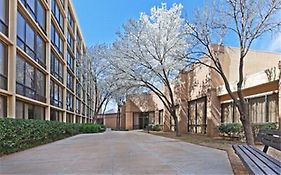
x=40, y=49
x=51, y=89
x=30, y=37
x=3, y=11
x=3, y=59
x=40, y=83
x=273, y=108
x=31, y=7
x=30, y=111
x=20, y=70
x=41, y=14
x=29, y=76
x=20, y=27
x=3, y=107
x=19, y=110
x=39, y=113
x=53, y=33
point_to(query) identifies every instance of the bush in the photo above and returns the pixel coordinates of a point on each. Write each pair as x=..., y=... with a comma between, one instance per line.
x=91, y=128
x=231, y=129
x=18, y=134
x=156, y=128
x=258, y=126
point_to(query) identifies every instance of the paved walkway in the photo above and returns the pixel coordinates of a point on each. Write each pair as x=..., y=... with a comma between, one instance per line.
x=117, y=153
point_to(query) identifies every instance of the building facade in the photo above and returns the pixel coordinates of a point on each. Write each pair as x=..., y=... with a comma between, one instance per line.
x=203, y=102
x=41, y=58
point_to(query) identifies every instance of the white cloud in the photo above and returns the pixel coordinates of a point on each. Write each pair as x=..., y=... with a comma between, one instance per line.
x=276, y=43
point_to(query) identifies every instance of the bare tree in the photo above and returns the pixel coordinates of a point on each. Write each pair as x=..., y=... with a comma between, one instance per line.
x=149, y=53
x=246, y=20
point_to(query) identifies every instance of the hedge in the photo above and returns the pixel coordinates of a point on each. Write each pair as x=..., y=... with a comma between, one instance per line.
x=19, y=134
x=236, y=129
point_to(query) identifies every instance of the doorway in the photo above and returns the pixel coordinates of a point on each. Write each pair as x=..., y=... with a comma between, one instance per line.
x=197, y=116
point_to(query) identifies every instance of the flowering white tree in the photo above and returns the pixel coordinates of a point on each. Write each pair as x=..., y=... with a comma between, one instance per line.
x=149, y=53
x=102, y=80
x=244, y=20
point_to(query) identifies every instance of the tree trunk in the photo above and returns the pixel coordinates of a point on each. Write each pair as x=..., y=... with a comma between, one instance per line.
x=245, y=119
x=174, y=115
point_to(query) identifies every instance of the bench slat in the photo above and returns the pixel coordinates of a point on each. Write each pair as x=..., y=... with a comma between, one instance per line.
x=263, y=166
x=276, y=162
x=265, y=159
x=247, y=161
x=270, y=138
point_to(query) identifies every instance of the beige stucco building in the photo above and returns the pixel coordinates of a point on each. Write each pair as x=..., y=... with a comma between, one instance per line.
x=202, y=100
x=41, y=49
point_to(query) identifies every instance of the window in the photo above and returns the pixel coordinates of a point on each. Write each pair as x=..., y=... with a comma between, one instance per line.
x=70, y=81
x=161, y=117
x=56, y=40
x=56, y=115
x=78, y=72
x=69, y=102
x=4, y=16
x=3, y=66
x=77, y=120
x=56, y=94
x=57, y=13
x=37, y=11
x=30, y=41
x=70, y=60
x=83, y=108
x=70, y=40
x=3, y=106
x=70, y=19
x=78, y=106
x=261, y=109
x=78, y=90
x=84, y=95
x=78, y=42
x=30, y=81
x=197, y=116
x=56, y=67
x=69, y=118
x=29, y=111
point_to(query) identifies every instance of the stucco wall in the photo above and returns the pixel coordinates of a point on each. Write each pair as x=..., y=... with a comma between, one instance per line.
x=110, y=121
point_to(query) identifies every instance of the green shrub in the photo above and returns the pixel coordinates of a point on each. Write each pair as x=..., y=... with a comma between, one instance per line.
x=156, y=128
x=91, y=128
x=258, y=126
x=18, y=134
x=265, y=126
x=231, y=129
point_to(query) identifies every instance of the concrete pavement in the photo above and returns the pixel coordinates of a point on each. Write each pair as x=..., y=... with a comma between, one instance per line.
x=117, y=153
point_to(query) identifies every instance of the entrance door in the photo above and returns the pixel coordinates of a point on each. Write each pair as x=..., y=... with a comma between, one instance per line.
x=141, y=123
x=197, y=116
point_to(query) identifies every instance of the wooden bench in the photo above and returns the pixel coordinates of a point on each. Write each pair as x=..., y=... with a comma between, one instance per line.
x=257, y=161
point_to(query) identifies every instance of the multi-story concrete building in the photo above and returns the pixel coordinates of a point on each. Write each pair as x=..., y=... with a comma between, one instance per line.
x=41, y=49
x=202, y=101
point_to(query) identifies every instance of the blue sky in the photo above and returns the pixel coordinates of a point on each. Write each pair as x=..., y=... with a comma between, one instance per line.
x=101, y=19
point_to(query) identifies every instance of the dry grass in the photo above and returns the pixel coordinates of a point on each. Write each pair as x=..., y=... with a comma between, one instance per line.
x=217, y=143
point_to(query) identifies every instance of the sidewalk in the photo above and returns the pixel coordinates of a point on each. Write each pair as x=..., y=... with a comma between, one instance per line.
x=117, y=153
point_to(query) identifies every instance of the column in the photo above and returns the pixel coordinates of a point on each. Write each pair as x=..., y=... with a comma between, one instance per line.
x=12, y=54
x=48, y=65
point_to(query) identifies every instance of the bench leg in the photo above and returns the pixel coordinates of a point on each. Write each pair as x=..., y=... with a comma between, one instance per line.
x=265, y=149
